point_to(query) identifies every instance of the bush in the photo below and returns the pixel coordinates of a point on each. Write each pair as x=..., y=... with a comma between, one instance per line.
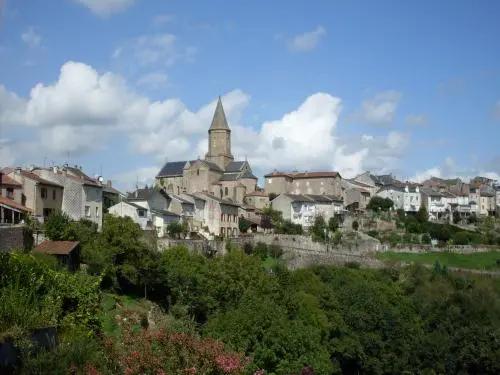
x=260, y=250
x=426, y=239
x=174, y=229
x=461, y=238
x=275, y=251
x=247, y=248
x=373, y=233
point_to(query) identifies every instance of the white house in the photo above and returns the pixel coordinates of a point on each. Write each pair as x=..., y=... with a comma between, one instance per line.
x=303, y=209
x=219, y=216
x=412, y=198
x=139, y=214
x=394, y=193
x=435, y=203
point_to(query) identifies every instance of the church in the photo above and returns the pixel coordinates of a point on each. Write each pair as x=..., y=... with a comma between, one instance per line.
x=217, y=174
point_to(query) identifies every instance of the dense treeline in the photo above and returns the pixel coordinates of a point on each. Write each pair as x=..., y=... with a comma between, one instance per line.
x=323, y=320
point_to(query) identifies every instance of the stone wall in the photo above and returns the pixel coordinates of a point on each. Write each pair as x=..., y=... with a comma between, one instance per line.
x=196, y=246
x=301, y=259
x=14, y=237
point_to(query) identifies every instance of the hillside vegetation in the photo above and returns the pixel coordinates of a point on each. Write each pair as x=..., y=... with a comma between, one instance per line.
x=243, y=313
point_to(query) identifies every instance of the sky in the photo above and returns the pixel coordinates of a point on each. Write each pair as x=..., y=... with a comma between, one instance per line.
x=119, y=87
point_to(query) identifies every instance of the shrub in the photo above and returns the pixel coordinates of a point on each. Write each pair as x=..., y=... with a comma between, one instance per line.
x=373, y=233
x=275, y=251
x=260, y=250
x=247, y=248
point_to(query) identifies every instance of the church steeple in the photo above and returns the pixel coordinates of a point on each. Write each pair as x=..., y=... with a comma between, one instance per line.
x=219, y=120
x=219, y=138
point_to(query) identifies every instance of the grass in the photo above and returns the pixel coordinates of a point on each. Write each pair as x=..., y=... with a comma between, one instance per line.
x=269, y=263
x=481, y=261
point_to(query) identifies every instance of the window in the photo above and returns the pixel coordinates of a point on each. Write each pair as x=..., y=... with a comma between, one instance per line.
x=226, y=191
x=178, y=190
x=221, y=217
x=54, y=194
x=222, y=232
x=97, y=212
x=197, y=172
x=269, y=180
x=44, y=193
x=87, y=211
x=141, y=213
x=10, y=193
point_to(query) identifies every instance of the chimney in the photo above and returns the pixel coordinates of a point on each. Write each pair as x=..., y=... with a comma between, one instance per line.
x=109, y=183
x=18, y=170
x=135, y=193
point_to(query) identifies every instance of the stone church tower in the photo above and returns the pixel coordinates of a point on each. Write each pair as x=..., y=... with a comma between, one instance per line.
x=219, y=139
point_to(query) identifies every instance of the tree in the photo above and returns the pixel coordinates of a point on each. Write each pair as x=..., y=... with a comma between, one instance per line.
x=422, y=215
x=456, y=217
x=333, y=224
x=174, y=229
x=56, y=225
x=377, y=204
x=272, y=196
x=318, y=229
x=243, y=225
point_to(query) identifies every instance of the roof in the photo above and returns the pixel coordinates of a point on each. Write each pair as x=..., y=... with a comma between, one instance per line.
x=247, y=174
x=221, y=201
x=173, y=168
x=359, y=184
x=431, y=192
x=219, y=121
x=38, y=179
x=165, y=212
x=9, y=203
x=257, y=194
x=143, y=194
x=179, y=198
x=6, y=180
x=111, y=190
x=313, y=198
x=135, y=205
x=297, y=175
x=56, y=247
x=235, y=166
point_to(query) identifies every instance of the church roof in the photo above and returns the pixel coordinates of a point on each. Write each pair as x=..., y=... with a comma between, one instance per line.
x=172, y=169
x=235, y=166
x=219, y=121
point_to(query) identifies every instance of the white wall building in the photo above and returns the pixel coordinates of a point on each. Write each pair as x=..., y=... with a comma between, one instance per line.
x=395, y=194
x=412, y=198
x=138, y=213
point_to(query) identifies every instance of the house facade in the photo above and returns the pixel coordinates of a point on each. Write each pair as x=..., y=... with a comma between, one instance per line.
x=318, y=183
x=257, y=199
x=42, y=196
x=220, y=217
x=12, y=208
x=82, y=198
x=303, y=209
x=412, y=198
x=435, y=203
x=139, y=214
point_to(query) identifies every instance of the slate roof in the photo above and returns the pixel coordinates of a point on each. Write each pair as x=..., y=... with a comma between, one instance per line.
x=173, y=168
x=313, y=198
x=56, y=247
x=219, y=121
x=144, y=194
x=165, y=212
x=217, y=199
x=235, y=166
x=247, y=174
x=297, y=175
x=135, y=205
x=229, y=177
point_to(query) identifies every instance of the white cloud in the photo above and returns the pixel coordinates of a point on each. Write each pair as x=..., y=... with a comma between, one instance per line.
x=153, y=80
x=105, y=8
x=79, y=112
x=307, y=41
x=416, y=120
x=162, y=19
x=381, y=109
x=31, y=38
x=449, y=169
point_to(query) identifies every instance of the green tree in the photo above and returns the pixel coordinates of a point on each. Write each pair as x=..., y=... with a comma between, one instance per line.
x=377, y=204
x=56, y=225
x=175, y=229
x=333, y=224
x=243, y=225
x=272, y=196
x=422, y=215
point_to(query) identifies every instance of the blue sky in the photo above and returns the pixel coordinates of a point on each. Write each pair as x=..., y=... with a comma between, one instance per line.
x=408, y=87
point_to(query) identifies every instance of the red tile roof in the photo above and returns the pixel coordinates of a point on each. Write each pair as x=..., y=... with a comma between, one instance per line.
x=323, y=174
x=6, y=180
x=10, y=203
x=56, y=247
x=257, y=194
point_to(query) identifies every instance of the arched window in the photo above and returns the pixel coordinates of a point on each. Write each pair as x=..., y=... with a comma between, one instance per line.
x=226, y=191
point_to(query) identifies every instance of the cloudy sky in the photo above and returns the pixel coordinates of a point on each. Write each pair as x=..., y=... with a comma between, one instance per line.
x=121, y=86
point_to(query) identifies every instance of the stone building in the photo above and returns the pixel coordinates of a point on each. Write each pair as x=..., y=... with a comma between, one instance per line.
x=319, y=183
x=217, y=174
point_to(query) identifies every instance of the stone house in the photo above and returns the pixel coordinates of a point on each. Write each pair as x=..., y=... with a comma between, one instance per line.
x=217, y=174
x=356, y=195
x=12, y=208
x=257, y=199
x=82, y=198
x=302, y=209
x=412, y=198
x=42, y=196
x=394, y=193
x=139, y=214
x=220, y=216
x=435, y=202
x=318, y=183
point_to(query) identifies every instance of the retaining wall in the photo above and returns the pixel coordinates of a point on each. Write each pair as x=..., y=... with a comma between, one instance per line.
x=15, y=237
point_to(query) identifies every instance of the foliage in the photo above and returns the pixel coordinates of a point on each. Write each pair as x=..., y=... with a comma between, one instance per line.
x=243, y=225
x=456, y=217
x=56, y=225
x=318, y=230
x=287, y=227
x=175, y=229
x=271, y=218
x=272, y=196
x=422, y=214
x=355, y=225
x=377, y=204
x=333, y=224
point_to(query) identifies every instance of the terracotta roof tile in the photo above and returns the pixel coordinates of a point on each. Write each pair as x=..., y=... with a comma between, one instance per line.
x=10, y=203
x=56, y=247
x=6, y=180
x=321, y=174
x=257, y=194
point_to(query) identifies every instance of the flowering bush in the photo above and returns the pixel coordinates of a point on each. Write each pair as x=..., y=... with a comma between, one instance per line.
x=163, y=352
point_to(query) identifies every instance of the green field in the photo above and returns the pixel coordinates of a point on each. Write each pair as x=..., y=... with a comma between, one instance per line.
x=481, y=261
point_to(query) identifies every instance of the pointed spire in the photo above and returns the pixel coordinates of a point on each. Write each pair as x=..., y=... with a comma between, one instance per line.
x=219, y=121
